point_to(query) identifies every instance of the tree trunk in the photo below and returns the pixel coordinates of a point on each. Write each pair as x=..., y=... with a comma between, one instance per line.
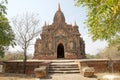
x=24, y=61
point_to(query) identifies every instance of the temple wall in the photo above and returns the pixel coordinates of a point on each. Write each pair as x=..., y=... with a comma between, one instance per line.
x=17, y=67
x=101, y=66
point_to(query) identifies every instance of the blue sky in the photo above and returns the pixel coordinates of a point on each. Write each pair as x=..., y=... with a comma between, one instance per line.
x=46, y=10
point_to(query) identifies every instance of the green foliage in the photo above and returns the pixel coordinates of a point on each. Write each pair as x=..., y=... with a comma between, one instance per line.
x=3, y=7
x=89, y=56
x=115, y=41
x=103, y=18
x=1, y=52
x=6, y=34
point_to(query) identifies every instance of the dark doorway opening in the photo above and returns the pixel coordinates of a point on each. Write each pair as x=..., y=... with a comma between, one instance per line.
x=60, y=51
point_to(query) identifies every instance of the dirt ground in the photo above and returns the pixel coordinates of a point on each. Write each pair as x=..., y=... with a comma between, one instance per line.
x=49, y=77
x=53, y=77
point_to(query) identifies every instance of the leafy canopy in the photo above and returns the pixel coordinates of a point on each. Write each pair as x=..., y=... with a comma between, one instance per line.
x=103, y=18
x=6, y=34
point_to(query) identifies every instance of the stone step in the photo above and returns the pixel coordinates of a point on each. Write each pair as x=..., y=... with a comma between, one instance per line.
x=67, y=72
x=62, y=61
x=64, y=64
x=60, y=65
x=63, y=69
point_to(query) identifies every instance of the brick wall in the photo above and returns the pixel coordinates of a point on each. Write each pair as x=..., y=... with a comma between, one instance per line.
x=17, y=66
x=55, y=57
x=101, y=65
x=45, y=57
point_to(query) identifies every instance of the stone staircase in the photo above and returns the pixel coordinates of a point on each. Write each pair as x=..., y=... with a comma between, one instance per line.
x=64, y=66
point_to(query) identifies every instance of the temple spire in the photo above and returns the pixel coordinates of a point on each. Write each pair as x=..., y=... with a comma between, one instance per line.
x=45, y=23
x=59, y=9
x=75, y=24
x=59, y=16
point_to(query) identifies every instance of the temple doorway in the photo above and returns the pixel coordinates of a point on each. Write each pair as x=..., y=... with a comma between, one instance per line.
x=60, y=51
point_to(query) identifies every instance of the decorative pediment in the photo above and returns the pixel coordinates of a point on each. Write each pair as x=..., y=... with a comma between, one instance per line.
x=60, y=31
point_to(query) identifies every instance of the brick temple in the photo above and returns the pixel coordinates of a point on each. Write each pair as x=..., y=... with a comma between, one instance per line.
x=60, y=40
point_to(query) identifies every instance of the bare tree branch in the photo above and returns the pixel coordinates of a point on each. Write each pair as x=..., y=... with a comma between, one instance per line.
x=26, y=29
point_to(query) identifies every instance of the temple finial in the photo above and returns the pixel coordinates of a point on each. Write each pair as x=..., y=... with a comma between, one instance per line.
x=59, y=9
x=75, y=24
x=45, y=23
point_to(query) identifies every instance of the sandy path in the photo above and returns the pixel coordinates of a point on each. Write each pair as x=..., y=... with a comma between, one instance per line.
x=50, y=77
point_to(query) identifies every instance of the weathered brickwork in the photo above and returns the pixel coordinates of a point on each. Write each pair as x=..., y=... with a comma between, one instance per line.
x=101, y=65
x=17, y=67
x=59, y=40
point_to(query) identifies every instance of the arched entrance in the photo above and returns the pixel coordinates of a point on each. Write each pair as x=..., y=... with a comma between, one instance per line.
x=60, y=51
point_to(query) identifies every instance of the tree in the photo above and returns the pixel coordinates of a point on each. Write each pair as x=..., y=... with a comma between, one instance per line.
x=103, y=18
x=6, y=33
x=90, y=56
x=111, y=52
x=17, y=55
x=26, y=28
